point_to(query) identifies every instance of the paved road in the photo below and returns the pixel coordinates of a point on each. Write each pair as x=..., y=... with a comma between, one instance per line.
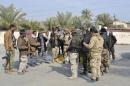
x=56, y=74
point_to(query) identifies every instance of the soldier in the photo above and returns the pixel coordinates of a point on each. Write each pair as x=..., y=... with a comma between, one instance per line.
x=24, y=47
x=9, y=47
x=95, y=46
x=105, y=52
x=60, y=38
x=33, y=48
x=113, y=41
x=67, y=39
x=73, y=55
x=85, y=52
x=42, y=48
x=54, y=45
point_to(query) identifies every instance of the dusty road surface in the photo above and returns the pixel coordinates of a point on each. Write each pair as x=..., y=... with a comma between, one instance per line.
x=56, y=74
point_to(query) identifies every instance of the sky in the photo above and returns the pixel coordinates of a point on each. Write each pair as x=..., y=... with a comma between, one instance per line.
x=43, y=9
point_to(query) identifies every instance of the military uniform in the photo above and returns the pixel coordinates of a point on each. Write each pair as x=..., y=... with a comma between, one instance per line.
x=73, y=55
x=54, y=45
x=8, y=44
x=105, y=53
x=105, y=60
x=95, y=46
x=33, y=46
x=24, y=47
x=67, y=39
x=85, y=53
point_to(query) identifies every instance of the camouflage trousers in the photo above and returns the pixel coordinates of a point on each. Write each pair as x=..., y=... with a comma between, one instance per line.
x=66, y=53
x=55, y=52
x=74, y=64
x=10, y=59
x=105, y=60
x=23, y=63
x=95, y=64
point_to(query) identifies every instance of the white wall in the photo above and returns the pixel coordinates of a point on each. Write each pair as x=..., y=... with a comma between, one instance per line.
x=122, y=37
x=16, y=34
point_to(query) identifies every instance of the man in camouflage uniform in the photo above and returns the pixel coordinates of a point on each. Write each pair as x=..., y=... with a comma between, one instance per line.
x=95, y=46
x=33, y=48
x=33, y=44
x=73, y=55
x=54, y=44
x=24, y=47
x=9, y=47
x=67, y=39
x=105, y=53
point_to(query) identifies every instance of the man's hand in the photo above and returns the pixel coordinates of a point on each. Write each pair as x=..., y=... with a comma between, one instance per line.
x=84, y=43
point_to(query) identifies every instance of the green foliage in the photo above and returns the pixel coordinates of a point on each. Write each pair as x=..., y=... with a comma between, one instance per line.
x=104, y=19
x=50, y=22
x=10, y=14
x=64, y=19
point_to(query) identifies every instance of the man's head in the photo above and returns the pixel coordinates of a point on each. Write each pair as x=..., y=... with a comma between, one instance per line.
x=93, y=30
x=12, y=27
x=110, y=33
x=74, y=32
x=34, y=33
x=23, y=33
x=103, y=30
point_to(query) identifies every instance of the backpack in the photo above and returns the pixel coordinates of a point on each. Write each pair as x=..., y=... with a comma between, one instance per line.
x=75, y=42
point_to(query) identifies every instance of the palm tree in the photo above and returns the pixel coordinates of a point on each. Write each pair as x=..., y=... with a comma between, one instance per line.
x=78, y=22
x=64, y=19
x=10, y=14
x=87, y=18
x=50, y=22
x=87, y=14
x=104, y=19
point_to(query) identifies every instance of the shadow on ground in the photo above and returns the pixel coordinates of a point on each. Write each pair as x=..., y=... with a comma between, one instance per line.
x=122, y=66
x=124, y=61
x=65, y=70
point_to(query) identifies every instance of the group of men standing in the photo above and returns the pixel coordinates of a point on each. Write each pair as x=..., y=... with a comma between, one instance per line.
x=95, y=48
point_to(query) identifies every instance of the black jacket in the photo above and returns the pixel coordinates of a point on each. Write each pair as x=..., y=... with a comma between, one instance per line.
x=86, y=39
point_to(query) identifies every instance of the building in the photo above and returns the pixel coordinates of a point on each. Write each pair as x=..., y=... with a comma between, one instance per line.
x=120, y=24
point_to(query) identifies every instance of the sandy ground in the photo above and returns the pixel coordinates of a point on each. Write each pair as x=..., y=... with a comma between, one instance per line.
x=56, y=74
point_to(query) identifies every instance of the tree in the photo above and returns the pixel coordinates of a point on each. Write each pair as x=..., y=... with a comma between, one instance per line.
x=31, y=25
x=104, y=19
x=10, y=14
x=50, y=22
x=86, y=18
x=77, y=21
x=64, y=19
x=87, y=14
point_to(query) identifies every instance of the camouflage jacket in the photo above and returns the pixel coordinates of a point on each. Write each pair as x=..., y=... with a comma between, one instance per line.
x=96, y=44
x=8, y=41
x=23, y=46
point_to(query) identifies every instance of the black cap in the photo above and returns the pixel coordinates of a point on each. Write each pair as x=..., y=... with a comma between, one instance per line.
x=94, y=30
x=22, y=31
x=103, y=30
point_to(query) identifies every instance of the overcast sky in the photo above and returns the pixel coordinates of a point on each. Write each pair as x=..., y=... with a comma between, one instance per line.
x=42, y=9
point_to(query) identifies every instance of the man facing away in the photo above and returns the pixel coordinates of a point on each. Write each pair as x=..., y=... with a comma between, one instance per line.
x=73, y=55
x=96, y=47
